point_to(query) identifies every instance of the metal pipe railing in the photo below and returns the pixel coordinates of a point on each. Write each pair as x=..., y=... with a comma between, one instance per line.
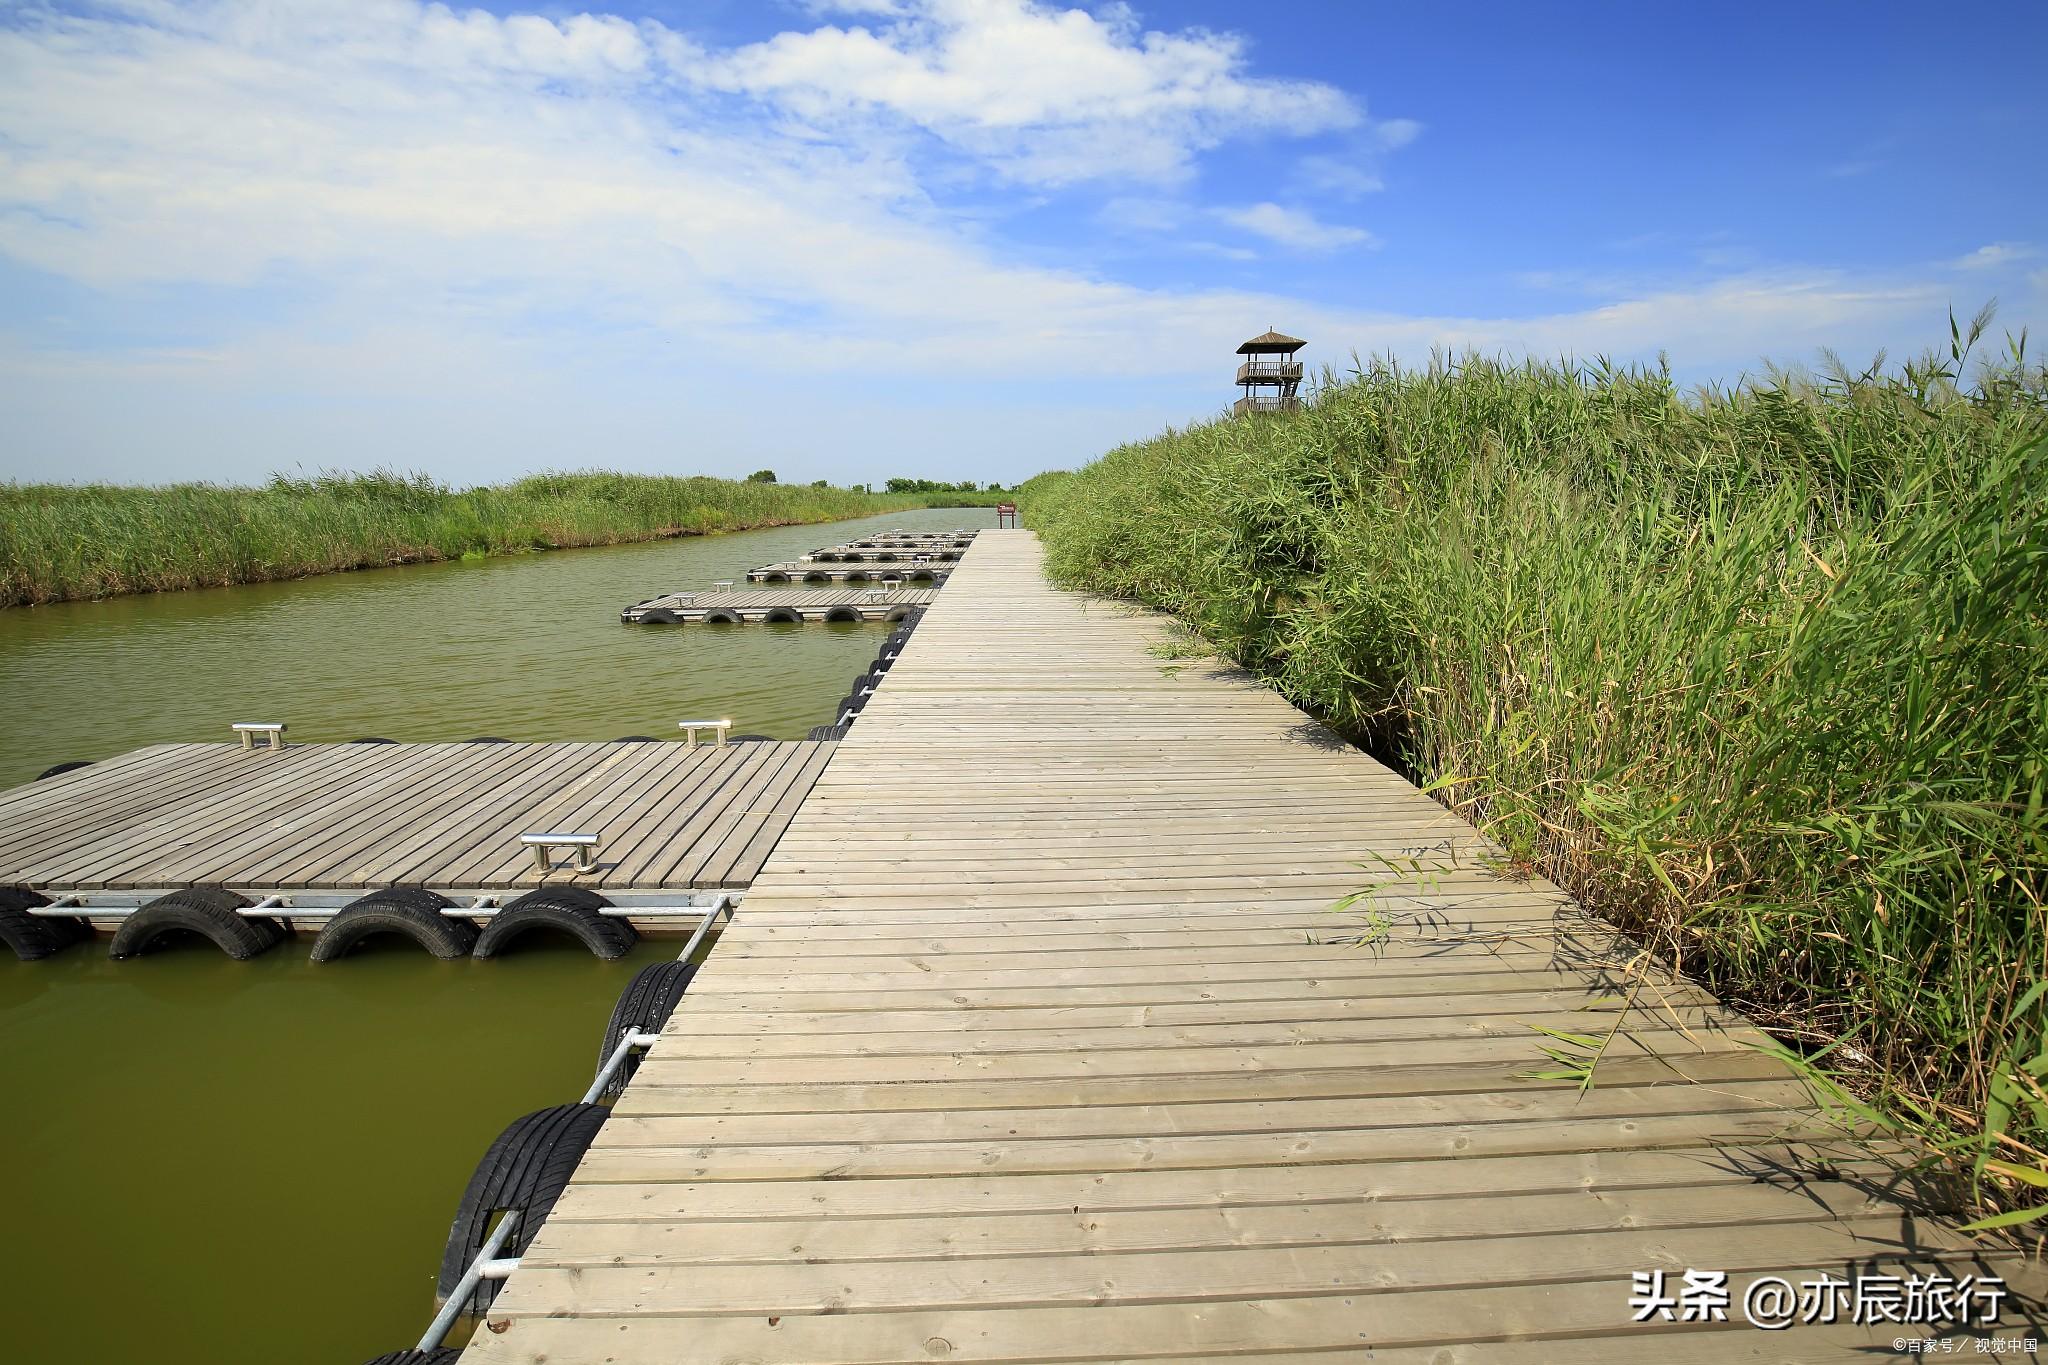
x=634, y=1038
x=322, y=905
x=728, y=904
x=487, y=1266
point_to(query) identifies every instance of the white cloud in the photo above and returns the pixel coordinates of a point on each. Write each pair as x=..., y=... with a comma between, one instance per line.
x=1395, y=133
x=1294, y=228
x=1992, y=256
x=1339, y=176
x=1128, y=213
x=1045, y=95
x=1354, y=170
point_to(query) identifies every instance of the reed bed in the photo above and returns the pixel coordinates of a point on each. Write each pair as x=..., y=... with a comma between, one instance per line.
x=59, y=542
x=1759, y=673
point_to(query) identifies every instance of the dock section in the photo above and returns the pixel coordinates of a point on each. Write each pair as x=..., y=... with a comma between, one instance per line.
x=310, y=816
x=779, y=604
x=813, y=571
x=1076, y=1062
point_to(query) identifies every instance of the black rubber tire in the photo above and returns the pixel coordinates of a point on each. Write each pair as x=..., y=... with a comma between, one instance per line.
x=208, y=911
x=525, y=1169
x=750, y=739
x=570, y=909
x=34, y=938
x=412, y=912
x=842, y=615
x=488, y=739
x=719, y=616
x=828, y=732
x=862, y=683
x=880, y=664
x=636, y=739
x=440, y=1355
x=646, y=1003
x=372, y=739
x=782, y=616
x=62, y=768
x=660, y=616
x=846, y=704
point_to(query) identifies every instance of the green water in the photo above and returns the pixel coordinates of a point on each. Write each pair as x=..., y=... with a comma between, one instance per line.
x=210, y=1160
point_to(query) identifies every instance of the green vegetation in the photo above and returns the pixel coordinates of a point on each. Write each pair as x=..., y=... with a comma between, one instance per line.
x=60, y=541
x=967, y=492
x=1761, y=674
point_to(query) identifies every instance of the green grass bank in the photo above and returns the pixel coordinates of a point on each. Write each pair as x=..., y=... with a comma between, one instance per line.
x=1761, y=674
x=59, y=542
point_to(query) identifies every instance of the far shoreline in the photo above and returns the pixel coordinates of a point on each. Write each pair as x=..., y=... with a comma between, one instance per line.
x=62, y=543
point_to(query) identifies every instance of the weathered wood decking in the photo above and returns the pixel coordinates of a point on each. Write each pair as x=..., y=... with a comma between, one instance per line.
x=1075, y=1063
x=446, y=815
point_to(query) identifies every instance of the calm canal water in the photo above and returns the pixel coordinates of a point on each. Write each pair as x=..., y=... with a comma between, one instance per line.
x=212, y=1160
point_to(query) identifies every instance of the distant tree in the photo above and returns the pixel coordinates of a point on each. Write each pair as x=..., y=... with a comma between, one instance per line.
x=815, y=483
x=935, y=486
x=761, y=476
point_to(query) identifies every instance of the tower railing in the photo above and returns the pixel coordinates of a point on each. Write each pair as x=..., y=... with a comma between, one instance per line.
x=1268, y=369
x=1264, y=404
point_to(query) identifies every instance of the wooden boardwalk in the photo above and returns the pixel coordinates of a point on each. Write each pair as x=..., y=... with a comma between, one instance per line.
x=446, y=815
x=779, y=604
x=1076, y=1063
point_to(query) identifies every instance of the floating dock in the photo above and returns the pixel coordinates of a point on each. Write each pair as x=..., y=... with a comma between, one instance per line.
x=668, y=816
x=874, y=579
x=779, y=604
x=848, y=554
x=813, y=571
x=1074, y=1062
x=959, y=540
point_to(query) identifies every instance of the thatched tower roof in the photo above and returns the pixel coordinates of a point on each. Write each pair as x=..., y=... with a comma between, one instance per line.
x=1272, y=343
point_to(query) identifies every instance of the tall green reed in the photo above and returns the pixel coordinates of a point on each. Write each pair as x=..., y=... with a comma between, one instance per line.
x=65, y=541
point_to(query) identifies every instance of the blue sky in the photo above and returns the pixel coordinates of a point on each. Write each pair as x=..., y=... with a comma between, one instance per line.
x=957, y=238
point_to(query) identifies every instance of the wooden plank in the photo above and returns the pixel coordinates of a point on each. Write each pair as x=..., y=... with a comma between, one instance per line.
x=641, y=848
x=500, y=859
x=845, y=1237
x=128, y=852
x=686, y=853
x=744, y=847
x=416, y=848
x=325, y=823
